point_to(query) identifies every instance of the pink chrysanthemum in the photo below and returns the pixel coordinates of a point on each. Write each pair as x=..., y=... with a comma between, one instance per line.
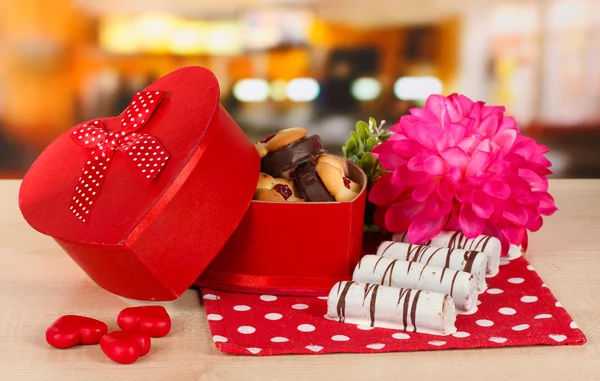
x=461, y=165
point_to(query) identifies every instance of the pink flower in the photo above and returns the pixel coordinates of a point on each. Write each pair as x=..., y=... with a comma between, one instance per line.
x=461, y=165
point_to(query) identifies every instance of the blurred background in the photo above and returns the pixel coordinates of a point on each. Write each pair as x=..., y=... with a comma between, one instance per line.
x=321, y=64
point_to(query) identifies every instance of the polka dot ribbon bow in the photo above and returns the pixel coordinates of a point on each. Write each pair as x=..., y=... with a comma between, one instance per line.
x=144, y=150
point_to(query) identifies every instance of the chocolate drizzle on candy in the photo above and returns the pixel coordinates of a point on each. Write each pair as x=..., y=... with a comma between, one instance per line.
x=469, y=261
x=388, y=307
x=460, y=285
x=490, y=246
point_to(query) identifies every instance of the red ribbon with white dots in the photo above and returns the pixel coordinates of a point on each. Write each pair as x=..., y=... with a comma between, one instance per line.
x=144, y=150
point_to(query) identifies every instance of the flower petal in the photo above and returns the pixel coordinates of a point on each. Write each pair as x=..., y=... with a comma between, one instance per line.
x=390, y=161
x=455, y=157
x=422, y=192
x=547, y=205
x=407, y=148
x=436, y=104
x=468, y=144
x=482, y=204
x=479, y=161
x=435, y=166
x=515, y=213
x=405, y=178
x=536, y=224
x=537, y=182
x=497, y=188
x=383, y=191
x=464, y=195
x=445, y=189
x=415, y=164
x=455, y=174
x=423, y=228
x=489, y=125
x=400, y=215
x=513, y=233
x=470, y=224
x=505, y=139
x=436, y=207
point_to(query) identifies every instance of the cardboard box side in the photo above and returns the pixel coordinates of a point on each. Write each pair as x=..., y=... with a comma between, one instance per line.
x=205, y=211
x=117, y=270
x=288, y=248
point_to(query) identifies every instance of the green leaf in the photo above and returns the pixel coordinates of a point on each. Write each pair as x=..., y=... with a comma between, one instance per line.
x=363, y=130
x=350, y=148
x=367, y=161
x=370, y=143
x=355, y=159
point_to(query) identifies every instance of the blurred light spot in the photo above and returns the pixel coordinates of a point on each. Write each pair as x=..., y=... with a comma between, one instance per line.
x=279, y=90
x=251, y=90
x=224, y=38
x=187, y=39
x=154, y=31
x=417, y=88
x=366, y=89
x=154, y=26
x=116, y=35
x=303, y=90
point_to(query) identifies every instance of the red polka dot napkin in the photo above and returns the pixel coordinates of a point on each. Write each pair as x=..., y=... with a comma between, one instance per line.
x=517, y=309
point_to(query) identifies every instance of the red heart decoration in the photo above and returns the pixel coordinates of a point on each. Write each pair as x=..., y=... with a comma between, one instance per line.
x=151, y=320
x=71, y=330
x=125, y=347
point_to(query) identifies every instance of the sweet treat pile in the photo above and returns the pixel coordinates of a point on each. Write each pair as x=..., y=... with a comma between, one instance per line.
x=470, y=261
x=459, y=285
x=449, y=278
x=296, y=168
x=490, y=246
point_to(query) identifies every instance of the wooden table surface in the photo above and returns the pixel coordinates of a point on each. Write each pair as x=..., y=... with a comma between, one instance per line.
x=39, y=283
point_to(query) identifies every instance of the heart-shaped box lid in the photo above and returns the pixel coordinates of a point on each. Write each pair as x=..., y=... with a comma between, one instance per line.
x=182, y=121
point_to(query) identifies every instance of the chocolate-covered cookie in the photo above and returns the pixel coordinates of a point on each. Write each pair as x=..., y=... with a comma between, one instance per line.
x=301, y=151
x=310, y=185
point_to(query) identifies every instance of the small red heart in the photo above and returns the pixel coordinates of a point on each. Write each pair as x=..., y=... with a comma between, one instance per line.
x=151, y=320
x=125, y=347
x=71, y=330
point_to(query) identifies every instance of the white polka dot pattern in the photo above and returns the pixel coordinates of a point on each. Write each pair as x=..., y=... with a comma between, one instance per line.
x=143, y=150
x=512, y=313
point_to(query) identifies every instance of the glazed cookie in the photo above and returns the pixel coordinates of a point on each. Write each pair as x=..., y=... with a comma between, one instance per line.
x=341, y=165
x=276, y=190
x=339, y=186
x=330, y=159
x=279, y=140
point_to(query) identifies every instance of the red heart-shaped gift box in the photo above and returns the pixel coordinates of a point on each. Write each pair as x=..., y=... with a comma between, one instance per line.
x=146, y=230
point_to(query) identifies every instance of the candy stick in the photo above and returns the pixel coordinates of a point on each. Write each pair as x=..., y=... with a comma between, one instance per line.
x=459, y=285
x=390, y=307
x=490, y=246
x=472, y=262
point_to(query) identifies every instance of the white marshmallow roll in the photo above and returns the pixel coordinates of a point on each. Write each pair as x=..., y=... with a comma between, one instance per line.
x=490, y=246
x=375, y=305
x=459, y=285
x=471, y=261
